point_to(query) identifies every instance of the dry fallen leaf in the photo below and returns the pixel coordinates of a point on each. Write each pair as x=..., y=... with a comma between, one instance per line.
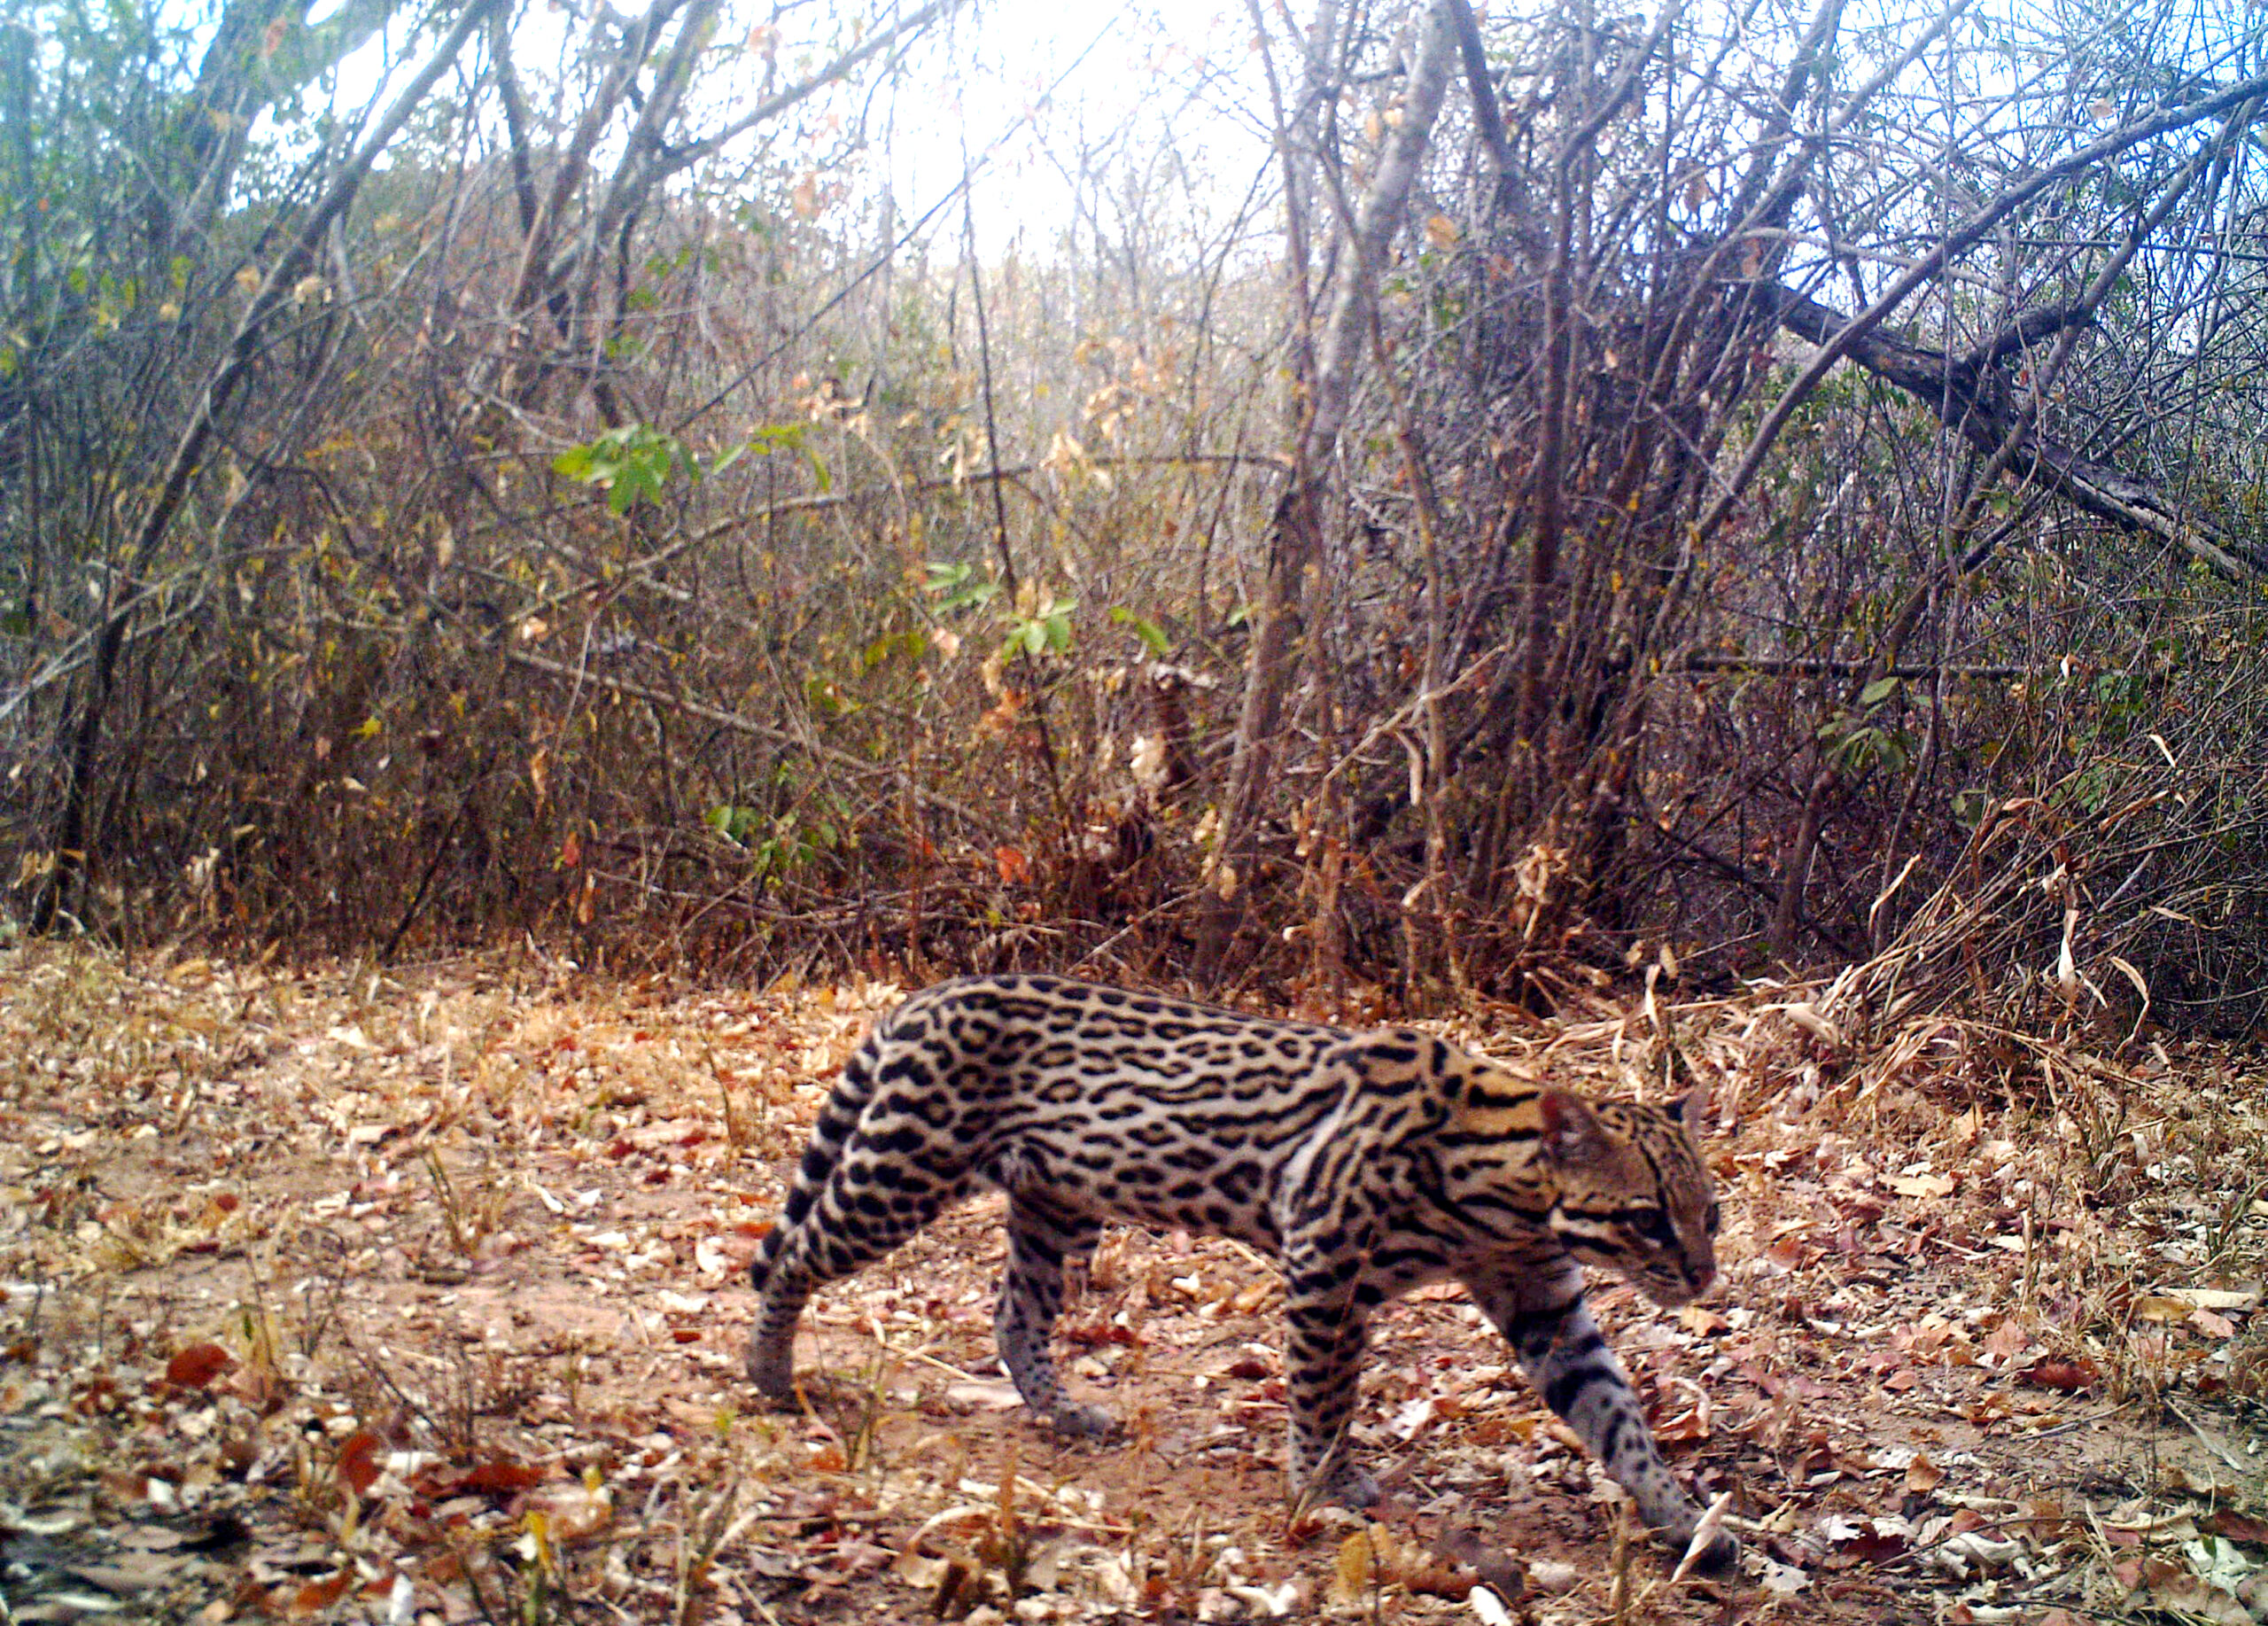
x=2060, y=1374
x=359, y=1463
x=1924, y=1184
x=196, y=1364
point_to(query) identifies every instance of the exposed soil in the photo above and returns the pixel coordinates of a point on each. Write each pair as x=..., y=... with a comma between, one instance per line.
x=341, y=1295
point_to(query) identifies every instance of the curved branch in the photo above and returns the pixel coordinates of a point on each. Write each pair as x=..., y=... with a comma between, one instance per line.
x=2164, y=121
x=1953, y=391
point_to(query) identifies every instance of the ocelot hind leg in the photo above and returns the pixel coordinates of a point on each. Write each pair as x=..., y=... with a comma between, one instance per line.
x=855, y=1220
x=1042, y=1238
x=1566, y=1357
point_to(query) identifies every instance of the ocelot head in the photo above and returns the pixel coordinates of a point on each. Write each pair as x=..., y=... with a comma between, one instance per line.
x=1633, y=1194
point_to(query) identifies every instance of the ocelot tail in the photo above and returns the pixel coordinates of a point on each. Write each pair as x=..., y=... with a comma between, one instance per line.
x=1369, y=1164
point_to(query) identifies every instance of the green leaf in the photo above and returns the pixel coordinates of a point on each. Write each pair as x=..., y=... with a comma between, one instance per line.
x=1879, y=690
x=734, y=824
x=1152, y=635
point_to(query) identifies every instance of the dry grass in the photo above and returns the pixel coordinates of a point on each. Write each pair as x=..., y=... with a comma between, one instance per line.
x=334, y=1295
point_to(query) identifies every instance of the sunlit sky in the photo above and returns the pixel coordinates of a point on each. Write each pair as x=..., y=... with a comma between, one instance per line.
x=1022, y=88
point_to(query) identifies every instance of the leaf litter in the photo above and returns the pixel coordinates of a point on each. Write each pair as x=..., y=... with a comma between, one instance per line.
x=419, y=1297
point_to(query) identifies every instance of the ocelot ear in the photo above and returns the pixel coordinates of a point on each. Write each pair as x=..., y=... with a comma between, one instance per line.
x=1572, y=1134
x=1692, y=1110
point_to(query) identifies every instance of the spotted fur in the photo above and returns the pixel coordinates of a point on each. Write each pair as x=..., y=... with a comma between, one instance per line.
x=1369, y=1164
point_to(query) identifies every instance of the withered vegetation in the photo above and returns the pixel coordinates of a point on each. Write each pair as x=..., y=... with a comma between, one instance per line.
x=346, y=1294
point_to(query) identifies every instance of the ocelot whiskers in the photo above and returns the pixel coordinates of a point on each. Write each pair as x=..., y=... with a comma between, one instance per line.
x=1367, y=1162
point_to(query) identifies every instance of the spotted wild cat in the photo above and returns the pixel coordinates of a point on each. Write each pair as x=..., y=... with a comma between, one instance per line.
x=1368, y=1163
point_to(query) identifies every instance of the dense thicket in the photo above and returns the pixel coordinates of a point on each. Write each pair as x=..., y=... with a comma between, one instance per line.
x=1770, y=488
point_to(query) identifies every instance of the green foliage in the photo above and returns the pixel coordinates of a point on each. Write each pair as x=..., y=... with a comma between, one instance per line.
x=780, y=843
x=1152, y=635
x=1857, y=741
x=769, y=438
x=1040, y=623
x=634, y=464
x=1046, y=630
x=959, y=587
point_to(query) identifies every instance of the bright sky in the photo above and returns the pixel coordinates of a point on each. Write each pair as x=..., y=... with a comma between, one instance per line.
x=1169, y=89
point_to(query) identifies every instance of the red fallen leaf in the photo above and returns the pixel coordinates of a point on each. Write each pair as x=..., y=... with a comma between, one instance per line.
x=502, y=1477
x=1094, y=1332
x=197, y=1365
x=2006, y=1342
x=1873, y=1546
x=1014, y=867
x=1248, y=1366
x=2212, y=1324
x=2237, y=1527
x=2063, y=1374
x=227, y=1202
x=686, y=1334
x=619, y=1147
x=322, y=1594
x=358, y=1460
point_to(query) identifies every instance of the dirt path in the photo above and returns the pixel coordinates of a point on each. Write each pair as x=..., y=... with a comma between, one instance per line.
x=417, y=1297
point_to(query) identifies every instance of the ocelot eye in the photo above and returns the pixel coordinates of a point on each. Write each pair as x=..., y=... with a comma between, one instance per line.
x=1711, y=1222
x=1656, y=1228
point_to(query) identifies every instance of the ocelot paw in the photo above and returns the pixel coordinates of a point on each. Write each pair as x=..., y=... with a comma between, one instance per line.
x=1716, y=1558
x=1354, y=1487
x=1080, y=1421
x=1719, y=1556
x=772, y=1373
x=1346, y=1486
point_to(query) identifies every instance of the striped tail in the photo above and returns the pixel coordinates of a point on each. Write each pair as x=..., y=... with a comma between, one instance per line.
x=836, y=1120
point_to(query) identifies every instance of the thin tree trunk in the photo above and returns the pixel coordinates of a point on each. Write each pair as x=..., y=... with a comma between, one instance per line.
x=1295, y=536
x=189, y=452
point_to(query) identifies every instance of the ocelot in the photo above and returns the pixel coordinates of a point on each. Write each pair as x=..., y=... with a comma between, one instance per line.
x=1368, y=1163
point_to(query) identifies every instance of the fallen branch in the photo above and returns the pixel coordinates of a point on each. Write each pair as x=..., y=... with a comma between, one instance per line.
x=1955, y=388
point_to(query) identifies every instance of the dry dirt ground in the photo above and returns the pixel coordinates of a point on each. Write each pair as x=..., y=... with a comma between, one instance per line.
x=419, y=1295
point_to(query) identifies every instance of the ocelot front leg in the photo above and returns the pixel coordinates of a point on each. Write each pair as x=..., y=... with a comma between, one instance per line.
x=1566, y=1357
x=1326, y=1315
x=1042, y=1238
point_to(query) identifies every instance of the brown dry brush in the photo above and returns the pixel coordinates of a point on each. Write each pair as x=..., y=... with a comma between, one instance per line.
x=924, y=643
x=1649, y=705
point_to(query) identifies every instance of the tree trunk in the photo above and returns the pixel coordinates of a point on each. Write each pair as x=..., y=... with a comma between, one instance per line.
x=1296, y=534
